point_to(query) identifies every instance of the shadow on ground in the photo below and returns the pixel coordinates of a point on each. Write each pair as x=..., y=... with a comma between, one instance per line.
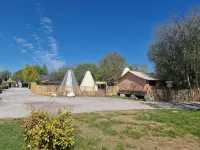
x=168, y=105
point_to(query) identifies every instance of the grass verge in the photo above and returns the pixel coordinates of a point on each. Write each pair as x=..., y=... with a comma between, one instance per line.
x=120, y=130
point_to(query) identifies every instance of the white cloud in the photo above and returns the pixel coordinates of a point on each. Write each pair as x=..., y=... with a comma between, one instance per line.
x=37, y=47
x=50, y=59
x=23, y=50
x=56, y=63
x=53, y=44
x=46, y=24
x=19, y=40
x=38, y=41
x=47, y=28
x=28, y=45
x=35, y=59
x=46, y=20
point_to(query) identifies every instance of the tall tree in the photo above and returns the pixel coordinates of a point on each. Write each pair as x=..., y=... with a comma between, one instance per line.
x=111, y=66
x=176, y=50
x=45, y=70
x=18, y=75
x=139, y=67
x=4, y=75
x=32, y=73
x=81, y=69
x=59, y=73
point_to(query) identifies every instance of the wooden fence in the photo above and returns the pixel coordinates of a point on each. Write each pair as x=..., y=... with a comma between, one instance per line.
x=175, y=95
x=48, y=90
x=156, y=94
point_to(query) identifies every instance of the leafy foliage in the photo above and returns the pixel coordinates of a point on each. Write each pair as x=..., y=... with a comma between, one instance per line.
x=4, y=86
x=59, y=73
x=139, y=67
x=45, y=69
x=18, y=75
x=44, y=131
x=4, y=75
x=111, y=66
x=81, y=69
x=30, y=73
x=176, y=50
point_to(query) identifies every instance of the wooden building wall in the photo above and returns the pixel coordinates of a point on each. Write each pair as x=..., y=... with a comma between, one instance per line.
x=131, y=82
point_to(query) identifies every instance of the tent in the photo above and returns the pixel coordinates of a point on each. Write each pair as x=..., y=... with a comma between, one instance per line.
x=69, y=84
x=125, y=71
x=10, y=83
x=4, y=82
x=10, y=80
x=87, y=83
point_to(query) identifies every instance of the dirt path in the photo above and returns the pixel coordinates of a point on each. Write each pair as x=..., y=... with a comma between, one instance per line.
x=14, y=103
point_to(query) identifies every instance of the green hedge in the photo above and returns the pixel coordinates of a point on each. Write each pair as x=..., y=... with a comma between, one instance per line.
x=4, y=86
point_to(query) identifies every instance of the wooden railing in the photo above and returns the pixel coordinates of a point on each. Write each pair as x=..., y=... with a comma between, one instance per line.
x=175, y=95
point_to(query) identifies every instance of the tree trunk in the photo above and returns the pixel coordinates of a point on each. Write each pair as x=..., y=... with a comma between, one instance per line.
x=188, y=80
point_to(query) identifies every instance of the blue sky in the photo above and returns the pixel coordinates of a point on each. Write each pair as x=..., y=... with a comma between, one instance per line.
x=58, y=32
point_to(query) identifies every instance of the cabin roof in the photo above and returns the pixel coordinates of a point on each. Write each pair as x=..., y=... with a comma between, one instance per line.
x=143, y=75
x=140, y=75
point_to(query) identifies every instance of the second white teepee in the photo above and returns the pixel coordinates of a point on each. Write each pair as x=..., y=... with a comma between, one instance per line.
x=125, y=71
x=87, y=83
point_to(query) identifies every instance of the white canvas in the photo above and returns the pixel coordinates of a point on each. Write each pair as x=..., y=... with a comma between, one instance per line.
x=125, y=71
x=87, y=83
x=69, y=83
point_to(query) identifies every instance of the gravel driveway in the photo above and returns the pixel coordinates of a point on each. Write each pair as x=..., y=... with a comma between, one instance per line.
x=14, y=103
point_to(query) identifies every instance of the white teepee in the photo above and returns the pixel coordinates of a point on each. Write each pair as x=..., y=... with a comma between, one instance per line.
x=87, y=83
x=125, y=71
x=69, y=84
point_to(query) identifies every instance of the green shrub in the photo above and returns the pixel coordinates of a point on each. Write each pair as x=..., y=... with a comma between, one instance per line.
x=4, y=86
x=44, y=131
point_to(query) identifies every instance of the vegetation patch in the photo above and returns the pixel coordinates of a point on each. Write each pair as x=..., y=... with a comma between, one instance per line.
x=4, y=86
x=184, y=121
x=44, y=131
x=85, y=143
x=133, y=134
x=11, y=134
x=120, y=146
x=121, y=130
x=106, y=127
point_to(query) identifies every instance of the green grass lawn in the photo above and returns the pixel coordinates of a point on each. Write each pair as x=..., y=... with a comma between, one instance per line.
x=120, y=130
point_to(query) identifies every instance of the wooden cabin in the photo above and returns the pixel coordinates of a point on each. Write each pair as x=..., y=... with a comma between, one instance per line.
x=136, y=83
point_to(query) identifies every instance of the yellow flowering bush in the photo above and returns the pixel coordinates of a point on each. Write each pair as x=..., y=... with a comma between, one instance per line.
x=47, y=132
